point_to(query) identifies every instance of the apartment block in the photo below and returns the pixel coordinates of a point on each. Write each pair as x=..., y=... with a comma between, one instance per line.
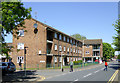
x=92, y=49
x=46, y=46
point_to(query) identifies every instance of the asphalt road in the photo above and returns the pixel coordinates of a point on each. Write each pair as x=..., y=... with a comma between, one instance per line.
x=93, y=74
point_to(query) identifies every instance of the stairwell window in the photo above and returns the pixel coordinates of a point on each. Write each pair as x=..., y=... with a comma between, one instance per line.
x=21, y=33
x=20, y=46
x=71, y=41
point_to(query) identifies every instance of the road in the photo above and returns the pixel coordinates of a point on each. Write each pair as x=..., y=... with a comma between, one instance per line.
x=90, y=74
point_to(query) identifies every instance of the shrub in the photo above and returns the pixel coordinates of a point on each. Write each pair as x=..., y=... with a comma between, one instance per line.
x=77, y=62
x=118, y=57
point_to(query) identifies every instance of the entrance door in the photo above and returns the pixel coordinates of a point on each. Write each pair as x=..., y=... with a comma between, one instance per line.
x=49, y=61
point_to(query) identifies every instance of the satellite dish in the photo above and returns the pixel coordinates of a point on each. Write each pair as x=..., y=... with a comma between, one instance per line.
x=35, y=25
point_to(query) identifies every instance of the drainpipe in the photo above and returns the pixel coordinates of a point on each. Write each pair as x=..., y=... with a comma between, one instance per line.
x=58, y=50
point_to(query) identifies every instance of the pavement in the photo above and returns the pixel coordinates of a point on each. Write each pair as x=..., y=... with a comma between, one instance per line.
x=50, y=74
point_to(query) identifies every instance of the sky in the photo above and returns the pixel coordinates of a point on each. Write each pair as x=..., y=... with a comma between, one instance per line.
x=91, y=19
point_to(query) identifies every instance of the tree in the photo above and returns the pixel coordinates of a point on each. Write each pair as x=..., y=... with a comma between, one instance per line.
x=78, y=36
x=116, y=38
x=108, y=51
x=13, y=16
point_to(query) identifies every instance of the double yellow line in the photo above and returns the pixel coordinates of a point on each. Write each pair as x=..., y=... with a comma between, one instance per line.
x=113, y=77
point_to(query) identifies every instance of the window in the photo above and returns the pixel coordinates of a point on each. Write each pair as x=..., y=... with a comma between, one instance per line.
x=73, y=59
x=87, y=46
x=20, y=46
x=74, y=50
x=55, y=59
x=67, y=59
x=78, y=51
x=20, y=58
x=71, y=41
x=55, y=47
x=21, y=33
x=60, y=37
x=68, y=39
x=55, y=35
x=71, y=50
x=60, y=48
x=60, y=59
x=76, y=44
x=76, y=59
x=64, y=48
x=68, y=49
x=87, y=52
x=64, y=38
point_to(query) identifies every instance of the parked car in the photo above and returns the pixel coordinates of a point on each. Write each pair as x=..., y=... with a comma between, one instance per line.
x=89, y=61
x=8, y=67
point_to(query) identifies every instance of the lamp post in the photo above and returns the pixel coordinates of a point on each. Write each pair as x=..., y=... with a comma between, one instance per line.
x=61, y=60
x=25, y=52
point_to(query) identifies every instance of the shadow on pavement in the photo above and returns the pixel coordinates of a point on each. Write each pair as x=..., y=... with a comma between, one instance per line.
x=114, y=66
x=19, y=76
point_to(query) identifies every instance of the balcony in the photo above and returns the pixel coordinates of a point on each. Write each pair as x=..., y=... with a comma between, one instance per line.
x=96, y=49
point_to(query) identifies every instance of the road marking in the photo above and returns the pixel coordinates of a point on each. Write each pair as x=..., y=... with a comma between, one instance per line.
x=42, y=78
x=96, y=71
x=113, y=77
x=88, y=75
x=76, y=80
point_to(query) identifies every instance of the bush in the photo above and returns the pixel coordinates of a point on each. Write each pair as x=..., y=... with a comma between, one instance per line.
x=77, y=62
x=118, y=57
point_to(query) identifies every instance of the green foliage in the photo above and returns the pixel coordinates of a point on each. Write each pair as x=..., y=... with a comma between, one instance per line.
x=13, y=16
x=78, y=37
x=116, y=38
x=77, y=62
x=108, y=51
x=118, y=57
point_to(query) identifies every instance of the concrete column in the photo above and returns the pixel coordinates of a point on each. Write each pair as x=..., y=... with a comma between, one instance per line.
x=92, y=59
x=84, y=59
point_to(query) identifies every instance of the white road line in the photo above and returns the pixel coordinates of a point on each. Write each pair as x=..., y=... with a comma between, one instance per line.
x=88, y=75
x=76, y=80
x=96, y=71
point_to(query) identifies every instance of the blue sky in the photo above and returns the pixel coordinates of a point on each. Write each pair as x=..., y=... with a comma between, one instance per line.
x=91, y=19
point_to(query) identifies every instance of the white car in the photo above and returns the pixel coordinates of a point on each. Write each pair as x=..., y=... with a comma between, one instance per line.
x=89, y=61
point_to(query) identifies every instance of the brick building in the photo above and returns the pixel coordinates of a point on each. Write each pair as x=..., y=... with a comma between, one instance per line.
x=92, y=49
x=45, y=46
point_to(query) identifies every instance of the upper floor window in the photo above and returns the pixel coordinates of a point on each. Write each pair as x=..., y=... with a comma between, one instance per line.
x=60, y=37
x=71, y=41
x=21, y=33
x=55, y=35
x=20, y=46
x=71, y=50
x=64, y=48
x=76, y=44
x=60, y=48
x=55, y=47
x=68, y=39
x=68, y=49
x=78, y=51
x=64, y=38
x=87, y=46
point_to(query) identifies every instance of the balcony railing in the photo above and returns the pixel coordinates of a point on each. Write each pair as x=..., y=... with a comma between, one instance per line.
x=96, y=49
